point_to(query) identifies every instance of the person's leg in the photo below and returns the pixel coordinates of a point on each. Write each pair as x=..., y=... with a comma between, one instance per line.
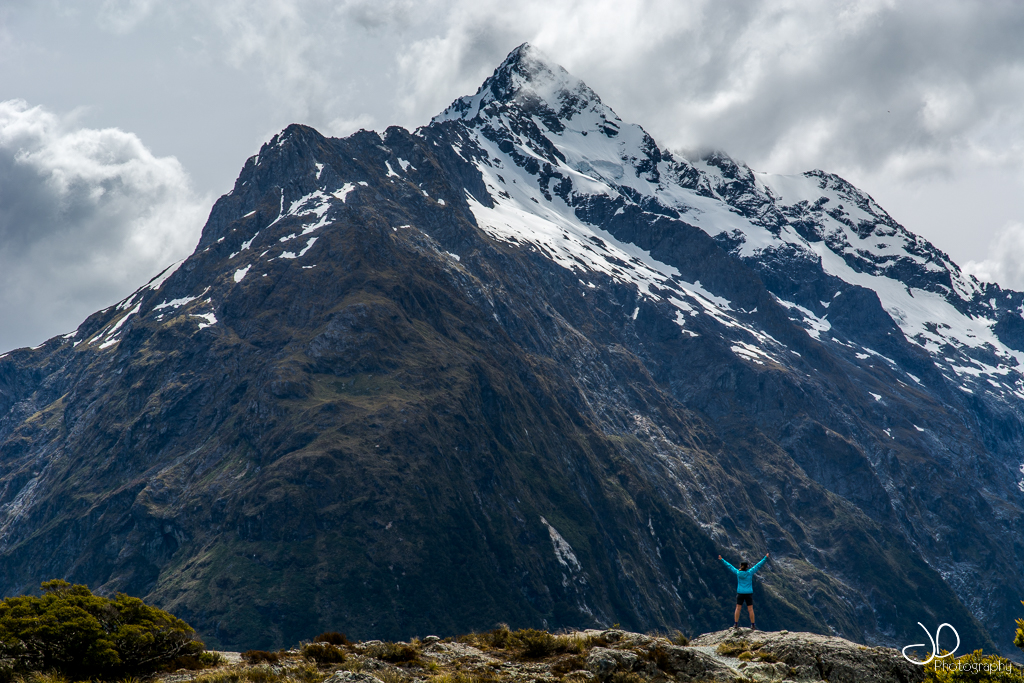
x=750, y=611
x=736, y=617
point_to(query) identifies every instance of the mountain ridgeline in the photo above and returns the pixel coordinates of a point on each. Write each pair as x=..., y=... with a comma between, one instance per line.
x=523, y=365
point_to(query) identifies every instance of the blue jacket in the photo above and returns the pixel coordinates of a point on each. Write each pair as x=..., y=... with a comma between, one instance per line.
x=744, y=582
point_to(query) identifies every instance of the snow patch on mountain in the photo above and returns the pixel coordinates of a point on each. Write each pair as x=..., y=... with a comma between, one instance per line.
x=547, y=143
x=520, y=216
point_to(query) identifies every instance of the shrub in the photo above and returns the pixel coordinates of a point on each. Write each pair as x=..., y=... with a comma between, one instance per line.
x=261, y=657
x=332, y=638
x=306, y=673
x=219, y=677
x=396, y=653
x=678, y=638
x=264, y=674
x=73, y=633
x=323, y=653
x=533, y=643
x=1018, y=639
x=975, y=667
x=496, y=638
x=208, y=659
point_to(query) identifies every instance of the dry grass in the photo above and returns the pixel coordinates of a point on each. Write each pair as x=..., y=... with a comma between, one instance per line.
x=404, y=654
x=733, y=648
x=295, y=671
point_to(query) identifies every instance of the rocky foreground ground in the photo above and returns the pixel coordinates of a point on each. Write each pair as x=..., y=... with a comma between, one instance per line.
x=611, y=656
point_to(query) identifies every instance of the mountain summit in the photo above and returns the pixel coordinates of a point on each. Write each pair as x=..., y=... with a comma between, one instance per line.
x=523, y=365
x=530, y=81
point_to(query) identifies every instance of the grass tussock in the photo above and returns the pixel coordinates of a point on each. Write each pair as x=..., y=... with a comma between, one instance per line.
x=392, y=676
x=353, y=665
x=463, y=677
x=300, y=672
x=333, y=638
x=323, y=654
x=531, y=643
x=568, y=664
x=403, y=654
x=745, y=651
x=40, y=677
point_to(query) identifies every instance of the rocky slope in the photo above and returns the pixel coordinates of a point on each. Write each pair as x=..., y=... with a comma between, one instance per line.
x=610, y=656
x=523, y=365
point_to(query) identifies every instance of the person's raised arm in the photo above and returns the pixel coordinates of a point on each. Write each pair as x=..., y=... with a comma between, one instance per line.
x=758, y=565
x=726, y=563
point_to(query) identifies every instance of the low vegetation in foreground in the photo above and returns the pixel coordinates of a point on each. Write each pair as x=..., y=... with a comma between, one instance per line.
x=67, y=634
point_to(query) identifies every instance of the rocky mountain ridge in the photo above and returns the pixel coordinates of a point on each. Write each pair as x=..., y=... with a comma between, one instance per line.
x=523, y=365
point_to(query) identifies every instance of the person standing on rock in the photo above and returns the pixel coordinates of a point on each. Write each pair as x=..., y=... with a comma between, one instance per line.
x=744, y=589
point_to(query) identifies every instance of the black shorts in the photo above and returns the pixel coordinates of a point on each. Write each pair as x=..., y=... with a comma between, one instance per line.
x=745, y=598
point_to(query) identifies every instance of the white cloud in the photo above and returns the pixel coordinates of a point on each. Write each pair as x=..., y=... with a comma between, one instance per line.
x=898, y=97
x=86, y=216
x=343, y=127
x=122, y=16
x=1005, y=262
x=909, y=89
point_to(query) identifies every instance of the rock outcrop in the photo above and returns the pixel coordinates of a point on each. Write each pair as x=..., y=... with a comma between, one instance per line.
x=612, y=656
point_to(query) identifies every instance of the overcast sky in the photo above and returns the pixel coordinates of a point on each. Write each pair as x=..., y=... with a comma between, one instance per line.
x=122, y=120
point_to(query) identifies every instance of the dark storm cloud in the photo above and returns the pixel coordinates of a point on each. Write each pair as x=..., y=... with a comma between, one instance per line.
x=86, y=216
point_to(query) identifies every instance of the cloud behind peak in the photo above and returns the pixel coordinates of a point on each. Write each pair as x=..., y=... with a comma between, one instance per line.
x=86, y=216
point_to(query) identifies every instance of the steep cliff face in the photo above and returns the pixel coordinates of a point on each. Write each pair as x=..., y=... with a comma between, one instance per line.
x=522, y=365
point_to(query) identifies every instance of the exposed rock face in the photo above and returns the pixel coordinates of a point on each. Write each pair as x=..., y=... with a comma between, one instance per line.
x=615, y=656
x=523, y=365
x=784, y=656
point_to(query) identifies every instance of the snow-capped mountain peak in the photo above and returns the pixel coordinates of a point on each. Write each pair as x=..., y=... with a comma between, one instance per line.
x=532, y=81
x=563, y=170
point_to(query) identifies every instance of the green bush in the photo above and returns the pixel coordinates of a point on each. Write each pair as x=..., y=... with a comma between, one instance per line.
x=333, y=638
x=531, y=643
x=72, y=632
x=975, y=667
x=323, y=653
x=396, y=653
x=208, y=659
x=1018, y=639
